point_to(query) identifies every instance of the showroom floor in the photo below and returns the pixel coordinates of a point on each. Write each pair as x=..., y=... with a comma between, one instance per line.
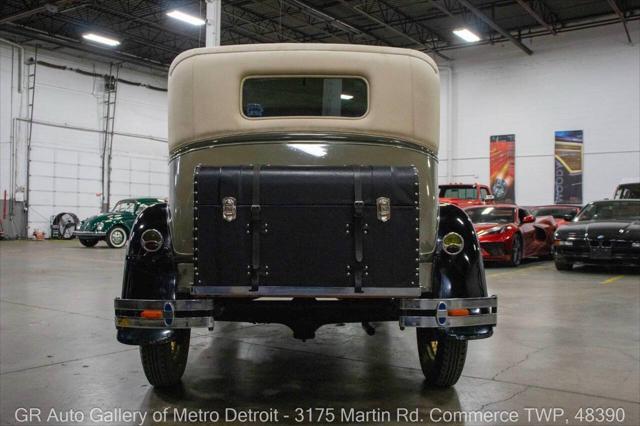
x=564, y=339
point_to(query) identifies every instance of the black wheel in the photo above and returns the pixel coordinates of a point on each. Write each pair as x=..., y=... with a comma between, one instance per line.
x=164, y=363
x=516, y=251
x=563, y=266
x=117, y=237
x=88, y=242
x=442, y=359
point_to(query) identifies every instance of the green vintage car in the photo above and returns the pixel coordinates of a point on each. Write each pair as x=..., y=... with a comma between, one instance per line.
x=113, y=226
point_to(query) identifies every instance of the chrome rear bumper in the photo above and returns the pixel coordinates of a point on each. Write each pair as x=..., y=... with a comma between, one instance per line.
x=89, y=234
x=446, y=313
x=192, y=313
x=163, y=314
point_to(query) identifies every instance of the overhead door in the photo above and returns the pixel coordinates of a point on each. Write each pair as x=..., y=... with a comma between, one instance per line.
x=64, y=174
x=138, y=168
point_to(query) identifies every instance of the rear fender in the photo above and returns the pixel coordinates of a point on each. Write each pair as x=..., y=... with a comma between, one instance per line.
x=461, y=275
x=149, y=275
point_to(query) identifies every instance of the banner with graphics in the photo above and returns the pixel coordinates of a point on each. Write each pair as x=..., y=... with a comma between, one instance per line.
x=502, y=168
x=568, y=168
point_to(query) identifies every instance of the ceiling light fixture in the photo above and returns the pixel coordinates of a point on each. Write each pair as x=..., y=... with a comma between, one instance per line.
x=346, y=97
x=101, y=39
x=184, y=17
x=466, y=35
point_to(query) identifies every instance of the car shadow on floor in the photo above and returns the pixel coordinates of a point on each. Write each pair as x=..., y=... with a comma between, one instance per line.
x=99, y=246
x=233, y=374
x=607, y=269
x=525, y=262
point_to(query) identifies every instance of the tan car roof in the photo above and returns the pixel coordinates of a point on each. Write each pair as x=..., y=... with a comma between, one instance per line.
x=205, y=90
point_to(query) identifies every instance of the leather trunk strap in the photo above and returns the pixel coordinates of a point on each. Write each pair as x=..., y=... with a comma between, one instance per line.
x=255, y=230
x=358, y=227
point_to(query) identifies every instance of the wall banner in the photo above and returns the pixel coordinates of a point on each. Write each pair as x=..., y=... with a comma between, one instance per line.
x=502, y=167
x=569, y=150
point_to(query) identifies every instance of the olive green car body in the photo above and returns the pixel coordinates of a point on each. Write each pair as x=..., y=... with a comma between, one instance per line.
x=98, y=227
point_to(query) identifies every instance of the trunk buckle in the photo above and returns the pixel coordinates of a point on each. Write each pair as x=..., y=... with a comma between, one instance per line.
x=229, y=210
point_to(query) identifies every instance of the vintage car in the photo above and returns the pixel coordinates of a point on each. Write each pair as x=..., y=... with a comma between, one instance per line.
x=465, y=195
x=562, y=213
x=508, y=233
x=303, y=192
x=605, y=232
x=115, y=226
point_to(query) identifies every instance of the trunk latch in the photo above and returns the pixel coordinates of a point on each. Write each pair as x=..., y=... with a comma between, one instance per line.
x=384, y=209
x=229, y=209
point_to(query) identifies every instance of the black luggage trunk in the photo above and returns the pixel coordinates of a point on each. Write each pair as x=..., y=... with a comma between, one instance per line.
x=306, y=227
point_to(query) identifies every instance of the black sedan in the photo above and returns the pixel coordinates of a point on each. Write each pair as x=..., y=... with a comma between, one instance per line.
x=604, y=232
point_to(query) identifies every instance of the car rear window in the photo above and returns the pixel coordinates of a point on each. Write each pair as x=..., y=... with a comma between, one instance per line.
x=491, y=214
x=304, y=97
x=124, y=206
x=465, y=193
x=617, y=210
x=557, y=212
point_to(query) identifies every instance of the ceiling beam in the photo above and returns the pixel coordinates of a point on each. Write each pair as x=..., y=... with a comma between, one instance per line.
x=122, y=33
x=620, y=14
x=400, y=33
x=155, y=20
x=65, y=42
x=52, y=7
x=331, y=20
x=535, y=15
x=260, y=25
x=487, y=20
x=291, y=16
x=340, y=24
x=418, y=43
x=129, y=17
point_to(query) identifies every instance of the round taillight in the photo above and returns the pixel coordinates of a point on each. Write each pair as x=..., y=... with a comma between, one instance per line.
x=151, y=240
x=452, y=243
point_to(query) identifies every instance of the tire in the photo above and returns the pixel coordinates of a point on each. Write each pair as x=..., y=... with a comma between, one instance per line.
x=88, y=242
x=516, y=251
x=442, y=359
x=117, y=237
x=164, y=363
x=563, y=266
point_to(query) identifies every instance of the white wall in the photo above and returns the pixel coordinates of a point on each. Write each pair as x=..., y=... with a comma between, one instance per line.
x=585, y=80
x=65, y=172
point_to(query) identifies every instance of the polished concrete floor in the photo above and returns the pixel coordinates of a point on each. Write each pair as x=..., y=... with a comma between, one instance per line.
x=567, y=340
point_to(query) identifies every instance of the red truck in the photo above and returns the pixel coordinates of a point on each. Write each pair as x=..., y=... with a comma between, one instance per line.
x=465, y=195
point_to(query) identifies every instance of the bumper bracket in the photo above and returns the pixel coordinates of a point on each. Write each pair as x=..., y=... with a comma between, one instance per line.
x=164, y=314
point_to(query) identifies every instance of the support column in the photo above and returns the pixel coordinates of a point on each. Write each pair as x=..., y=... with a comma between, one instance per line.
x=212, y=27
x=110, y=98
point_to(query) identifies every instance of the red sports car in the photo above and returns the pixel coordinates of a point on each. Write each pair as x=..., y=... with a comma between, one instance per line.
x=562, y=213
x=508, y=233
